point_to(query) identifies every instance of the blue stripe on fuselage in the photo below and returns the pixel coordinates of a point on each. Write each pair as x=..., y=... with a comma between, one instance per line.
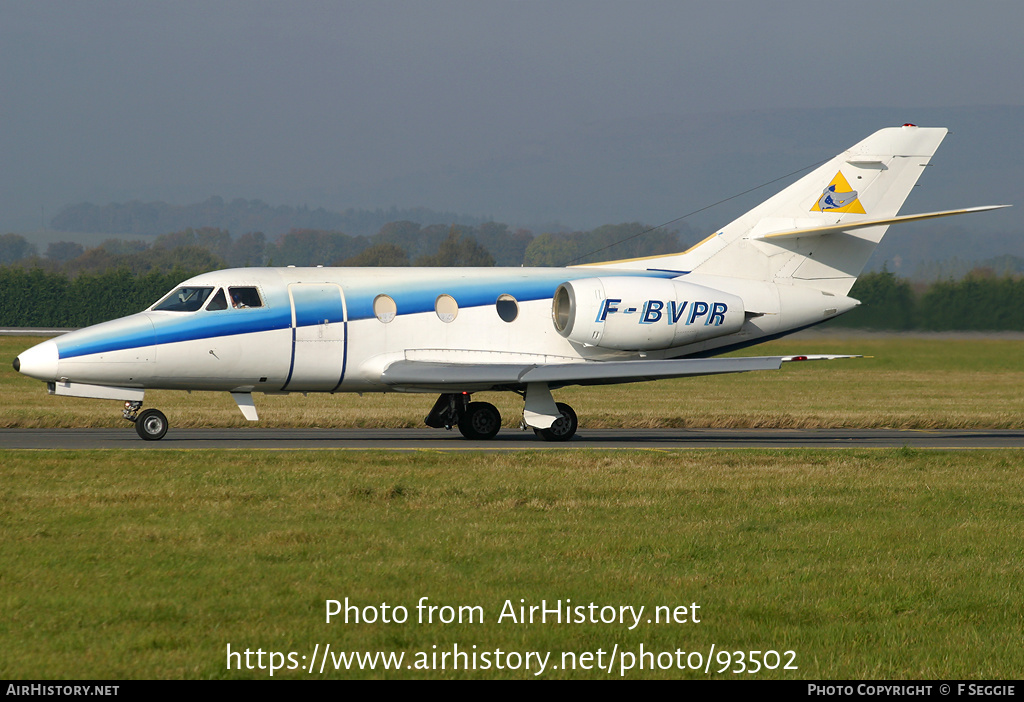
x=204, y=325
x=411, y=297
x=175, y=326
x=416, y=296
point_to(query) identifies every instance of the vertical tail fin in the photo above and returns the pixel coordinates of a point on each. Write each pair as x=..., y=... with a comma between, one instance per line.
x=865, y=185
x=868, y=182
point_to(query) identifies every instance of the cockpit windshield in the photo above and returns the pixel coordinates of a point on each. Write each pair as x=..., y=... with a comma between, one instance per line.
x=219, y=302
x=185, y=299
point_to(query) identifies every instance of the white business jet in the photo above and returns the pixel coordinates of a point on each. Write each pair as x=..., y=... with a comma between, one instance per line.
x=787, y=264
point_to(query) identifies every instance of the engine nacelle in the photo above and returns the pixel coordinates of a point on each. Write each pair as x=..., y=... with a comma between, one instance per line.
x=632, y=313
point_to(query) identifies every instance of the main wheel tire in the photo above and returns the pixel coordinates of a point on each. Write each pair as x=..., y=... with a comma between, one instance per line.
x=564, y=428
x=481, y=420
x=151, y=425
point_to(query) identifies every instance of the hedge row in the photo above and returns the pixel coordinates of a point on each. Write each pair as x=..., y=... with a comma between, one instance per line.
x=37, y=298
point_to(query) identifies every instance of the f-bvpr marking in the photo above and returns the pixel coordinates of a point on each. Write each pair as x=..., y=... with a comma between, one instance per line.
x=672, y=311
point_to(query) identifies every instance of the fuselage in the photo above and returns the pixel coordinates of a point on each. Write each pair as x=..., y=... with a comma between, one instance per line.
x=338, y=329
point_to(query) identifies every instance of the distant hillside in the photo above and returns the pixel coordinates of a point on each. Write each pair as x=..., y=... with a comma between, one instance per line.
x=237, y=216
x=650, y=169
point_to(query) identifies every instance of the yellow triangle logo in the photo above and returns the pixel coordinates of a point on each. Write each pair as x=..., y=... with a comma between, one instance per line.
x=838, y=197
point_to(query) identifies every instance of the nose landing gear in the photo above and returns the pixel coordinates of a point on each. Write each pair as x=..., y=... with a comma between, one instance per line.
x=150, y=424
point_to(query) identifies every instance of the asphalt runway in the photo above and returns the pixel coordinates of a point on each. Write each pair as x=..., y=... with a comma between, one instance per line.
x=511, y=440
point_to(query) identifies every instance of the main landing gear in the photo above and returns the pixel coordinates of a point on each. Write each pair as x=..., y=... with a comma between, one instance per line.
x=150, y=424
x=481, y=420
x=475, y=420
x=564, y=427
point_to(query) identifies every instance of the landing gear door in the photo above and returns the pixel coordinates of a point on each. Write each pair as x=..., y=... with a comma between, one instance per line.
x=319, y=320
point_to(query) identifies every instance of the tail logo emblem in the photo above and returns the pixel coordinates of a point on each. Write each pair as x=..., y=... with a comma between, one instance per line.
x=838, y=197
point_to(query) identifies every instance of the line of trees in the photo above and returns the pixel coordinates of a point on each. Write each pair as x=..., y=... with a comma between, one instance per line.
x=981, y=301
x=38, y=298
x=71, y=286
x=399, y=243
x=33, y=297
x=74, y=286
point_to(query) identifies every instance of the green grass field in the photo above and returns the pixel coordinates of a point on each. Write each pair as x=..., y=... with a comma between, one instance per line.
x=867, y=564
x=880, y=564
x=909, y=382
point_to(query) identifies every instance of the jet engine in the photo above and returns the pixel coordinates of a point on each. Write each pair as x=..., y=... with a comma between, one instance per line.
x=632, y=313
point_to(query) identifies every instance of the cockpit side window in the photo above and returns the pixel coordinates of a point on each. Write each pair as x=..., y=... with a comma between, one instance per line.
x=219, y=302
x=184, y=299
x=245, y=297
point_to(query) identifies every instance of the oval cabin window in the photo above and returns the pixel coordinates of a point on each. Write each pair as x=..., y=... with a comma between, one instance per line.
x=385, y=309
x=446, y=307
x=507, y=307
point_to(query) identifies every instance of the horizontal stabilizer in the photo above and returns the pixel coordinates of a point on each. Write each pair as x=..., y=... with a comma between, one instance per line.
x=852, y=225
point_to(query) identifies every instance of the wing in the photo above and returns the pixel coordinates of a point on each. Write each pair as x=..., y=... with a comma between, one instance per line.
x=465, y=377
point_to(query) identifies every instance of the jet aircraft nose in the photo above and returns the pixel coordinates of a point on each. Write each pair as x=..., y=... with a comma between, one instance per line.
x=39, y=362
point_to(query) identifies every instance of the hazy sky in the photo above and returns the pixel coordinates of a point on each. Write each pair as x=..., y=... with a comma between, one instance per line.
x=279, y=100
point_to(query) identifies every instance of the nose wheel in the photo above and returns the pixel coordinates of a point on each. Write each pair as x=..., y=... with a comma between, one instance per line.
x=150, y=424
